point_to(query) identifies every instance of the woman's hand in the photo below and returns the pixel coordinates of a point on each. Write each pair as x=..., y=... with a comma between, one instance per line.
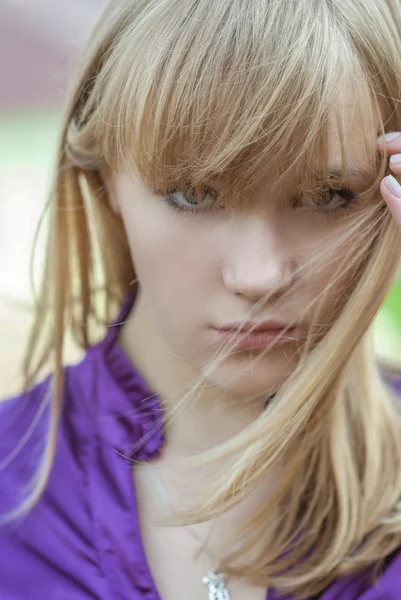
x=389, y=187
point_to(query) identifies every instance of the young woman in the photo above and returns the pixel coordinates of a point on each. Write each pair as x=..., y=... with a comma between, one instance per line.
x=230, y=434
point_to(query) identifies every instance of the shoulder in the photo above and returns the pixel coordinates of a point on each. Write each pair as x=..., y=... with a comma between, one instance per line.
x=26, y=424
x=389, y=583
x=395, y=386
x=391, y=375
x=18, y=409
x=360, y=587
x=23, y=424
x=52, y=543
x=24, y=418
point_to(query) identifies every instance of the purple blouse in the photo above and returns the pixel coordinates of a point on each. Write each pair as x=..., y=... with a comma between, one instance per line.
x=82, y=540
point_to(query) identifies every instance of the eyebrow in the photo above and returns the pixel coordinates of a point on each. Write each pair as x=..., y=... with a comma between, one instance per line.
x=335, y=172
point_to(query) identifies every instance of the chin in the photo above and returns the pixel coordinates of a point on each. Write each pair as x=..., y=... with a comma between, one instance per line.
x=242, y=376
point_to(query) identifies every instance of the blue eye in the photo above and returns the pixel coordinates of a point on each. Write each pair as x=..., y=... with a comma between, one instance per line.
x=190, y=201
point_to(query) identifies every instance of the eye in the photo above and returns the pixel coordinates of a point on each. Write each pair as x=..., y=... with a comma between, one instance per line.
x=335, y=199
x=190, y=200
x=332, y=200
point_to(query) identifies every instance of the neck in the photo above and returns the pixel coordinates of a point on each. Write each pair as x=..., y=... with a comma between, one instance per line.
x=207, y=420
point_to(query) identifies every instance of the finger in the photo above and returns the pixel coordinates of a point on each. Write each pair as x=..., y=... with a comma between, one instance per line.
x=395, y=164
x=391, y=191
x=392, y=142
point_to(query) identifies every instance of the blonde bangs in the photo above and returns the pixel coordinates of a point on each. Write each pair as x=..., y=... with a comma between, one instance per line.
x=223, y=97
x=250, y=92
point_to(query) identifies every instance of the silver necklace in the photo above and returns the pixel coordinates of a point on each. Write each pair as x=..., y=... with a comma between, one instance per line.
x=215, y=582
x=216, y=585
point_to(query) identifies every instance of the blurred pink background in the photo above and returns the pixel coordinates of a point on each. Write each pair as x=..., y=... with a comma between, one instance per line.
x=39, y=42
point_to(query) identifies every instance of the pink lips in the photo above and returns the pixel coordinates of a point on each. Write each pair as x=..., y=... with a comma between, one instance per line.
x=264, y=335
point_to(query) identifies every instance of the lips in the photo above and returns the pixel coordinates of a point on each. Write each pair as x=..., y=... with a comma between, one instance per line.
x=266, y=334
x=270, y=325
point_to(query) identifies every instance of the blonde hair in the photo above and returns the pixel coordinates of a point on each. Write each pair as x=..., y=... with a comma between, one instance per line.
x=245, y=90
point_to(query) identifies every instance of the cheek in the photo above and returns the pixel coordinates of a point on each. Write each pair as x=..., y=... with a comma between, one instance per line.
x=174, y=264
x=157, y=244
x=328, y=283
x=170, y=258
x=323, y=263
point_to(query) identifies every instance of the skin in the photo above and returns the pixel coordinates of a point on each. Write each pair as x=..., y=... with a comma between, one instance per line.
x=391, y=189
x=198, y=272
x=228, y=264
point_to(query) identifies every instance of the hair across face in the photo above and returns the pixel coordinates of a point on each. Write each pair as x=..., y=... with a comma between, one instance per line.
x=276, y=103
x=277, y=124
x=278, y=256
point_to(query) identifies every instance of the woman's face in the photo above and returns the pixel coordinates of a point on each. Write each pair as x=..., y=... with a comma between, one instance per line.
x=202, y=269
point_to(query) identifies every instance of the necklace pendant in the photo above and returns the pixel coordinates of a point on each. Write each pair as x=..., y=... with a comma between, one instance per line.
x=216, y=585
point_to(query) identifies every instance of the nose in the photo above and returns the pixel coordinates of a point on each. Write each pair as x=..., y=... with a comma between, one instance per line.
x=258, y=267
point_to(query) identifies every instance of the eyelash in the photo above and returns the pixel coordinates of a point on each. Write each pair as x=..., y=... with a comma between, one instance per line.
x=344, y=193
x=181, y=208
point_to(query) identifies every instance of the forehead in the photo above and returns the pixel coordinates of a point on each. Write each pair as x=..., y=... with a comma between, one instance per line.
x=352, y=132
x=351, y=151
x=338, y=136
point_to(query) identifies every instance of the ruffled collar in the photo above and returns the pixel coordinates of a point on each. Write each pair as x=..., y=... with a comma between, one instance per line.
x=129, y=414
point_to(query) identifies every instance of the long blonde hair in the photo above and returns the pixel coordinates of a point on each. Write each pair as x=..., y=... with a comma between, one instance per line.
x=245, y=90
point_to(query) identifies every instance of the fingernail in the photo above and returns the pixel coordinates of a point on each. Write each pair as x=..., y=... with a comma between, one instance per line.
x=393, y=186
x=389, y=137
x=395, y=159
